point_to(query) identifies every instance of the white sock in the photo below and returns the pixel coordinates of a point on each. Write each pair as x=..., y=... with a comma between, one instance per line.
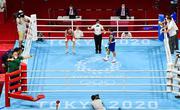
x=66, y=51
x=73, y=50
x=114, y=58
x=107, y=56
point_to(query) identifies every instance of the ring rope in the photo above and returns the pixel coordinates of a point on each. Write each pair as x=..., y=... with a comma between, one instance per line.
x=94, y=77
x=91, y=25
x=103, y=38
x=99, y=19
x=177, y=79
x=176, y=72
x=175, y=85
x=93, y=32
x=98, y=91
x=103, y=71
x=175, y=92
x=95, y=70
x=95, y=85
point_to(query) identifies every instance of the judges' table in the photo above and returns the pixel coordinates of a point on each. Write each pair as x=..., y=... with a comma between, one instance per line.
x=67, y=20
x=67, y=17
x=123, y=23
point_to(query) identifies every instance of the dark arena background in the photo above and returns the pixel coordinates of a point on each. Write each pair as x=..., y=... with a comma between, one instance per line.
x=57, y=70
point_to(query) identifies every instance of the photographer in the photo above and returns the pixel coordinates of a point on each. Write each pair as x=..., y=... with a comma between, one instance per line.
x=22, y=24
x=2, y=5
x=97, y=103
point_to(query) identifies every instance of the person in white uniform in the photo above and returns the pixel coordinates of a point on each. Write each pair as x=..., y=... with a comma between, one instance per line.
x=164, y=23
x=171, y=30
x=98, y=29
x=176, y=36
x=22, y=23
x=176, y=46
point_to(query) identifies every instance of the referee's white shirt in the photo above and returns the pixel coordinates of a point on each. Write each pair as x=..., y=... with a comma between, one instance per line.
x=97, y=28
x=175, y=26
x=171, y=28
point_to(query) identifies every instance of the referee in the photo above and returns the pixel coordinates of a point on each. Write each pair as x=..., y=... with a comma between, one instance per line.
x=171, y=30
x=98, y=28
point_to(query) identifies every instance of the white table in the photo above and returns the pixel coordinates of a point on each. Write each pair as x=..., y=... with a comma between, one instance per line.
x=67, y=18
x=118, y=18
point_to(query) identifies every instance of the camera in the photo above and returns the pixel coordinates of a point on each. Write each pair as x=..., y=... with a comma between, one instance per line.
x=95, y=97
x=21, y=15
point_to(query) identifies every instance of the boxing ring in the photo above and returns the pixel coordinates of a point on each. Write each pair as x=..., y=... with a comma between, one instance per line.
x=143, y=77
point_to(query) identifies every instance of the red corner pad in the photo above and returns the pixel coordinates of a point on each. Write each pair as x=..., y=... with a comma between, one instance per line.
x=18, y=95
x=2, y=77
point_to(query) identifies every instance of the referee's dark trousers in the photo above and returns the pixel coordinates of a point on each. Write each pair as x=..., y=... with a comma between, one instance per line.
x=172, y=43
x=176, y=41
x=98, y=41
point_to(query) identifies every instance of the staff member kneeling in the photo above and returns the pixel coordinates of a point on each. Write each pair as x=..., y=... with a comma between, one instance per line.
x=98, y=28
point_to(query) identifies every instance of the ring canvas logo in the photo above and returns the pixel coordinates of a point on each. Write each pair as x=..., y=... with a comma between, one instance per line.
x=111, y=105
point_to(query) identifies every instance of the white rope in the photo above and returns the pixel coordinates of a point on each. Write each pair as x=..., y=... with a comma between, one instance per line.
x=175, y=85
x=121, y=19
x=99, y=19
x=175, y=92
x=103, y=38
x=97, y=91
x=93, y=32
x=176, y=72
x=167, y=48
x=94, y=70
x=97, y=77
x=94, y=84
x=91, y=25
x=177, y=79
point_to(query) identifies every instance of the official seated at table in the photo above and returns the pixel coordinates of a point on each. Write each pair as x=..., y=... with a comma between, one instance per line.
x=123, y=12
x=71, y=12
